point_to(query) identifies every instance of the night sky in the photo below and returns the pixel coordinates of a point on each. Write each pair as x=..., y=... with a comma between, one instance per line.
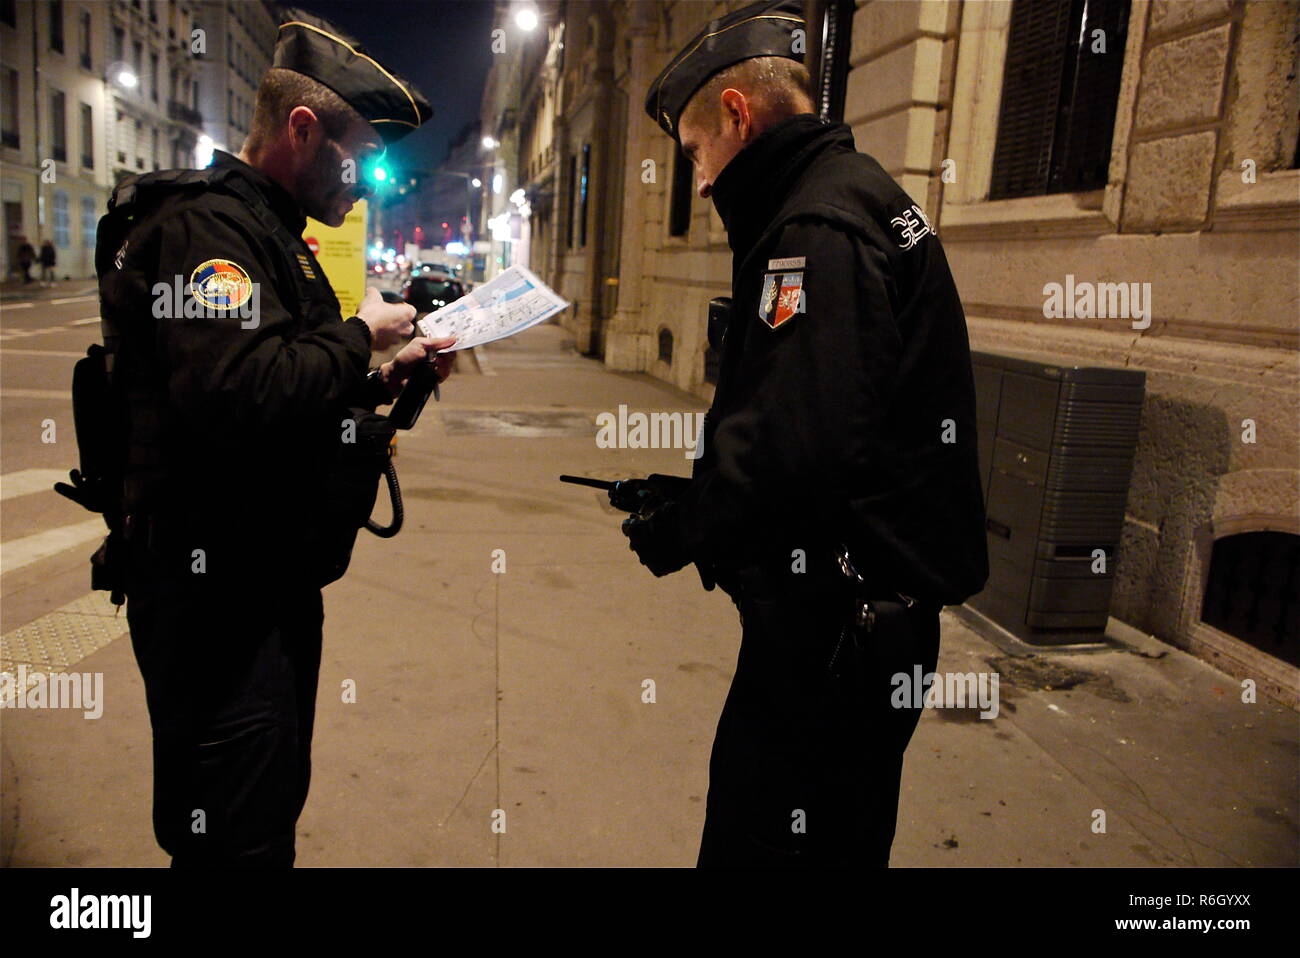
x=442, y=46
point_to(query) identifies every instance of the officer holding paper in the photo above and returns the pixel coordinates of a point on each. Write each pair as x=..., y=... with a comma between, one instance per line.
x=250, y=451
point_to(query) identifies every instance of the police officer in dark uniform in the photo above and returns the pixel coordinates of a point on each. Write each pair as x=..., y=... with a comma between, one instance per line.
x=242, y=389
x=837, y=499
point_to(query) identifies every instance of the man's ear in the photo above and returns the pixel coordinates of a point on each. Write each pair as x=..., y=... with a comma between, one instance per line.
x=304, y=128
x=735, y=109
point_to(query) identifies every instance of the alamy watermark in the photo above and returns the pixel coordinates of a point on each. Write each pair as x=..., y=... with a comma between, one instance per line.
x=947, y=690
x=1085, y=300
x=655, y=430
x=220, y=294
x=53, y=690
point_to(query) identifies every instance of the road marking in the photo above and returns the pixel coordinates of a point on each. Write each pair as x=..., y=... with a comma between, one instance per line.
x=36, y=394
x=23, y=333
x=71, y=299
x=19, y=553
x=20, y=333
x=4, y=306
x=70, y=353
x=26, y=481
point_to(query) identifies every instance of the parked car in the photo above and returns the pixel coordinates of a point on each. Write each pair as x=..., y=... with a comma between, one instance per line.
x=429, y=291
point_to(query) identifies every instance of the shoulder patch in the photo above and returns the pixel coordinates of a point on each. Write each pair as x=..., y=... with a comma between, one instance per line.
x=221, y=284
x=913, y=226
x=782, y=297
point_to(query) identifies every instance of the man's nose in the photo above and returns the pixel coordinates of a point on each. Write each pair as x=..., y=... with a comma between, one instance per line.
x=704, y=188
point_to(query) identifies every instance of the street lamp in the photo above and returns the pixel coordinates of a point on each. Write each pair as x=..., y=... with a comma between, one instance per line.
x=126, y=78
x=489, y=143
x=526, y=19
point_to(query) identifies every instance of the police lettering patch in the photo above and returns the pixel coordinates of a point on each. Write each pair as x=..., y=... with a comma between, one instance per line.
x=305, y=265
x=220, y=284
x=781, y=298
x=913, y=225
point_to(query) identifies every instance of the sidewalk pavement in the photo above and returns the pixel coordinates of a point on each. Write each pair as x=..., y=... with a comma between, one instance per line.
x=522, y=690
x=15, y=290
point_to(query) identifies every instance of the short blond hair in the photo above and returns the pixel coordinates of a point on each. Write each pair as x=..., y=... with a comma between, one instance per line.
x=783, y=85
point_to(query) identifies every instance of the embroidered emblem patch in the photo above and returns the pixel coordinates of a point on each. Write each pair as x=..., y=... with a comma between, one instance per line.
x=913, y=225
x=781, y=298
x=221, y=284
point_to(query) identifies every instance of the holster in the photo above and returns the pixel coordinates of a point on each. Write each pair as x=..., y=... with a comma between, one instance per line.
x=108, y=566
x=350, y=487
x=867, y=606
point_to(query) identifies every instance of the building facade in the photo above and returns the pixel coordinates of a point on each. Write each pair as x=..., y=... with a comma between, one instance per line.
x=239, y=41
x=1149, y=143
x=94, y=90
x=54, y=137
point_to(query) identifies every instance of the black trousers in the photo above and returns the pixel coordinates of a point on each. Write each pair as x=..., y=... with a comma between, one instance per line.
x=230, y=666
x=808, y=758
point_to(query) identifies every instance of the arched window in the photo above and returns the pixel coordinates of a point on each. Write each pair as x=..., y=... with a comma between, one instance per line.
x=1252, y=591
x=666, y=346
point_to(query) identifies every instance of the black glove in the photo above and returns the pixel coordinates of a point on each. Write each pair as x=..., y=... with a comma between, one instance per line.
x=642, y=496
x=656, y=539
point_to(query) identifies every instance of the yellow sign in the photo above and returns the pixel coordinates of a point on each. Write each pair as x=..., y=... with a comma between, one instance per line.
x=341, y=253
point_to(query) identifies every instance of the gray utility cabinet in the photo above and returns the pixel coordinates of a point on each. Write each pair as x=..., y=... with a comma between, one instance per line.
x=1056, y=448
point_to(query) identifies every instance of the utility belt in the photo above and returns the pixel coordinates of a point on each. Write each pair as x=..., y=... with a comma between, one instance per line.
x=828, y=572
x=253, y=551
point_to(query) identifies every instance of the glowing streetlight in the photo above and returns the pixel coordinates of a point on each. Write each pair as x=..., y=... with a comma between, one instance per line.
x=489, y=143
x=496, y=183
x=526, y=19
x=126, y=78
x=477, y=182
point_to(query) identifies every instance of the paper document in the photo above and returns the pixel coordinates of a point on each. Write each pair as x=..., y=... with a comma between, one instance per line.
x=505, y=305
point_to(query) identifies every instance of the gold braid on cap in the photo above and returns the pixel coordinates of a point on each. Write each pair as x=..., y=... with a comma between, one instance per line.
x=659, y=99
x=372, y=62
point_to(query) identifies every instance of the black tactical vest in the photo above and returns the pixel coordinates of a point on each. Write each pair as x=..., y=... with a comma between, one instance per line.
x=345, y=478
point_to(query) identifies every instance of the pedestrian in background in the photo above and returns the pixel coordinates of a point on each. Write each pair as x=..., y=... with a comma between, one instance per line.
x=48, y=258
x=26, y=256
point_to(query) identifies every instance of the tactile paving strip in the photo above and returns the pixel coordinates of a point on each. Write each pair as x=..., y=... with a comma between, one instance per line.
x=64, y=637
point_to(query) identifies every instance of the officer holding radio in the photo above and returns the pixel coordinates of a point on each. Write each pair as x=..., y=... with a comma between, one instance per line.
x=837, y=499
x=250, y=451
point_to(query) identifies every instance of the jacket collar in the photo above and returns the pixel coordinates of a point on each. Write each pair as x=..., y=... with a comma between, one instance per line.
x=750, y=190
x=277, y=197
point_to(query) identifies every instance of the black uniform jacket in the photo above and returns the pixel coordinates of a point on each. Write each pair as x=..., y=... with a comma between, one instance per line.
x=845, y=406
x=232, y=415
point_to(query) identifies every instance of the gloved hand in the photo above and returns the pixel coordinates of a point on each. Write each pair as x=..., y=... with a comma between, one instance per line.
x=642, y=496
x=655, y=537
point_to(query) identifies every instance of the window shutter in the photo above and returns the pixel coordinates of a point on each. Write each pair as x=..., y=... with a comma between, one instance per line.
x=1031, y=88
x=1088, y=109
x=1058, y=97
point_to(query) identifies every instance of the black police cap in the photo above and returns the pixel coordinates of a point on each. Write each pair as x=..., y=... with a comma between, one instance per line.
x=763, y=29
x=318, y=49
